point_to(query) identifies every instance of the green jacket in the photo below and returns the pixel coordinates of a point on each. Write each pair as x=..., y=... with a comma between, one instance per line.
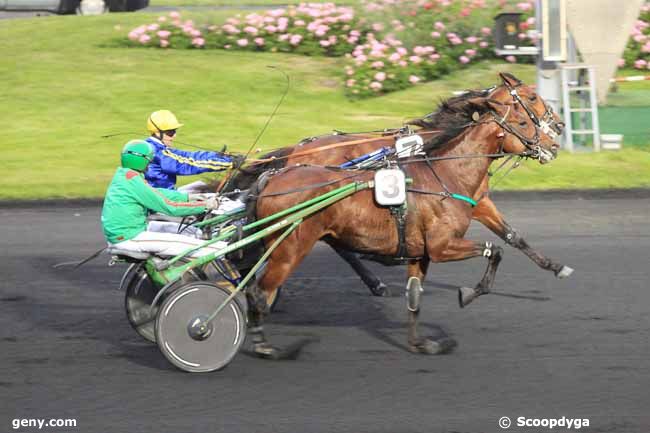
x=128, y=200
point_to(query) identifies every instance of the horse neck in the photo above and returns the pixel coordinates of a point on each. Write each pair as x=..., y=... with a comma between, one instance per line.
x=469, y=173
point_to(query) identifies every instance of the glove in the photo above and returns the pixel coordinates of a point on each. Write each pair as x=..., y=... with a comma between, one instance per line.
x=201, y=197
x=237, y=160
x=212, y=203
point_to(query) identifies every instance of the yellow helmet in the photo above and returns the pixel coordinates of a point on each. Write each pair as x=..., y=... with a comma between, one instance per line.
x=162, y=120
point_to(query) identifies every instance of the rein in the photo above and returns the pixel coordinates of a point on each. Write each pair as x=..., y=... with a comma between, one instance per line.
x=334, y=146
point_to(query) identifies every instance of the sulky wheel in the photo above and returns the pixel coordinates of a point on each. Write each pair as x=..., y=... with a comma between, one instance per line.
x=191, y=343
x=140, y=291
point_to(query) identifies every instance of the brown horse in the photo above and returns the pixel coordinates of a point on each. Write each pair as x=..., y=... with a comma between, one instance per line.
x=473, y=132
x=323, y=151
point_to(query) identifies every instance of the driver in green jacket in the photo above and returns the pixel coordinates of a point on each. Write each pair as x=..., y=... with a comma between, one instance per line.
x=129, y=199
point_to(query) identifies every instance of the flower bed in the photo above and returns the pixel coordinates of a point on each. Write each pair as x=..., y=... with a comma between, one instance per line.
x=308, y=29
x=388, y=44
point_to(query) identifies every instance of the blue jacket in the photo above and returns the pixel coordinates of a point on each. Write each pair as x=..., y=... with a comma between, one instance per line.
x=168, y=163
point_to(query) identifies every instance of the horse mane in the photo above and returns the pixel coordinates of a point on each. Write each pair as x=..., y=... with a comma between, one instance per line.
x=245, y=176
x=452, y=117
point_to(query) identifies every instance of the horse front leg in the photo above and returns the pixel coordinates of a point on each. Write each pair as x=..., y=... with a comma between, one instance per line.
x=417, y=270
x=456, y=249
x=376, y=286
x=493, y=254
x=487, y=214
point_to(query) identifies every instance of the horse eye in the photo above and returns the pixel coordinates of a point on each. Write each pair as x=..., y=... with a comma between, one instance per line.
x=523, y=123
x=533, y=98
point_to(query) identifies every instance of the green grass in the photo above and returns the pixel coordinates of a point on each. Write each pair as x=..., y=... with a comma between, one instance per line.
x=628, y=168
x=66, y=83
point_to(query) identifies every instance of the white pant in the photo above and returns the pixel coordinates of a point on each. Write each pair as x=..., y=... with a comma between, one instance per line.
x=167, y=244
x=173, y=227
x=193, y=187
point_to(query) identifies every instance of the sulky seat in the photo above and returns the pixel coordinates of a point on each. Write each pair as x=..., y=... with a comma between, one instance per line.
x=114, y=251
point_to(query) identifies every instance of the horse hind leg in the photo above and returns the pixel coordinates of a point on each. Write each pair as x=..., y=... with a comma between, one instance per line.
x=494, y=255
x=414, y=290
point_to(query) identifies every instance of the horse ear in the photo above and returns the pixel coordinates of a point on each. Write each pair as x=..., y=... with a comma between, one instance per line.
x=500, y=109
x=510, y=79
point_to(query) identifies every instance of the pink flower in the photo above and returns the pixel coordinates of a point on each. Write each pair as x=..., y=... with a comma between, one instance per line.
x=164, y=43
x=295, y=39
x=523, y=6
x=134, y=36
x=195, y=33
x=486, y=31
x=646, y=47
x=470, y=52
x=271, y=29
x=144, y=39
x=394, y=57
x=299, y=23
x=242, y=42
x=414, y=79
x=640, y=64
x=174, y=15
x=471, y=39
x=483, y=44
x=511, y=59
x=435, y=57
x=380, y=76
x=251, y=30
x=620, y=63
x=415, y=59
x=464, y=59
x=376, y=86
x=227, y=46
x=350, y=82
x=439, y=26
x=153, y=27
x=198, y=42
x=324, y=44
x=639, y=38
x=377, y=64
x=259, y=42
x=163, y=34
x=435, y=35
x=162, y=19
x=403, y=63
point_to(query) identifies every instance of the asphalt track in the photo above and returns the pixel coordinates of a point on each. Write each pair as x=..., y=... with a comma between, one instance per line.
x=540, y=348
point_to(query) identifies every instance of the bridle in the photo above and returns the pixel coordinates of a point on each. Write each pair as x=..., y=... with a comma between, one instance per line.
x=547, y=122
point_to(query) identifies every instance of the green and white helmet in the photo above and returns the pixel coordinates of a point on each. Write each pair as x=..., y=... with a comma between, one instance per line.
x=136, y=155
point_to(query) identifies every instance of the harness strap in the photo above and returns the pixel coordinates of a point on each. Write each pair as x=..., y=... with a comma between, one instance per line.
x=399, y=214
x=455, y=196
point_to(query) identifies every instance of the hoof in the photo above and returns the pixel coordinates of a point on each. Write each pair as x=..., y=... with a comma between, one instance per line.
x=380, y=289
x=266, y=351
x=564, y=272
x=466, y=295
x=431, y=347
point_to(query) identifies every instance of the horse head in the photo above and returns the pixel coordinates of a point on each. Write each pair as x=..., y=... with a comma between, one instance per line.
x=521, y=134
x=542, y=114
